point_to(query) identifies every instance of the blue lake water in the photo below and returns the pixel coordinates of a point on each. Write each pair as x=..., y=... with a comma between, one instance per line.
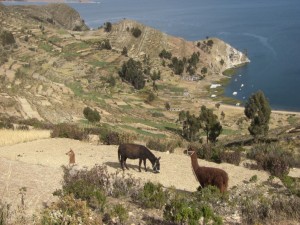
x=268, y=29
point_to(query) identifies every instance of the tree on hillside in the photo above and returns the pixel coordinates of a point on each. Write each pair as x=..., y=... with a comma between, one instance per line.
x=210, y=124
x=155, y=76
x=6, y=38
x=132, y=72
x=258, y=109
x=91, y=115
x=136, y=32
x=107, y=26
x=191, y=126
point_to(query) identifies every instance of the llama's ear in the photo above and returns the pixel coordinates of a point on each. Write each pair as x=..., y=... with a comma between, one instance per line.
x=158, y=158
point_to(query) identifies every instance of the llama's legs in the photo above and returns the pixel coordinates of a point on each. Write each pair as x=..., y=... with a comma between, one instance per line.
x=145, y=165
x=140, y=163
x=122, y=163
x=125, y=163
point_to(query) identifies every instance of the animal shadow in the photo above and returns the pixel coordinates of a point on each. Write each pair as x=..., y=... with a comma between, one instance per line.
x=117, y=165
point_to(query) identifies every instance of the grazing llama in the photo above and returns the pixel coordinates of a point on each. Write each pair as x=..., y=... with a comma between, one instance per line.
x=134, y=151
x=208, y=175
x=71, y=155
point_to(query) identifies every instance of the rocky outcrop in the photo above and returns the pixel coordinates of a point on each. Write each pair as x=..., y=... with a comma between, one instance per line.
x=66, y=17
x=60, y=15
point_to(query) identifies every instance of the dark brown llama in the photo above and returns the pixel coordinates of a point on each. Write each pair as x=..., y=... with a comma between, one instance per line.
x=208, y=175
x=135, y=151
x=71, y=155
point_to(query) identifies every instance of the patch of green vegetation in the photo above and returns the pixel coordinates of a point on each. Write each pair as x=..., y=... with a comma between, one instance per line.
x=125, y=107
x=76, y=88
x=170, y=88
x=292, y=119
x=62, y=32
x=76, y=46
x=69, y=56
x=93, y=96
x=143, y=132
x=46, y=47
x=100, y=64
x=25, y=58
x=54, y=39
x=70, y=52
x=229, y=72
x=230, y=132
x=292, y=183
x=159, y=125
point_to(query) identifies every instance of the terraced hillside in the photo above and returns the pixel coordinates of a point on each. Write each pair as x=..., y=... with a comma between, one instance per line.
x=52, y=71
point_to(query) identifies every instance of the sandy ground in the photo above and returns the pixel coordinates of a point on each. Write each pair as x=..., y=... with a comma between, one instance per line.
x=37, y=166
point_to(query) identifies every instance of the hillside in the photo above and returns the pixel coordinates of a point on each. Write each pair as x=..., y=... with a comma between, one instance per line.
x=52, y=66
x=52, y=72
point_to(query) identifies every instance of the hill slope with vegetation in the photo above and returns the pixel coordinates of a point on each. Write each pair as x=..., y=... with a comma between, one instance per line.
x=126, y=82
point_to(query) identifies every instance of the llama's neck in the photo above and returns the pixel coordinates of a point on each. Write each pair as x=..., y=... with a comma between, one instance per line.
x=194, y=160
x=151, y=157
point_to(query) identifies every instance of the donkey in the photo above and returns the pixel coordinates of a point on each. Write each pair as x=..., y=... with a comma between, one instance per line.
x=135, y=151
x=71, y=155
x=208, y=175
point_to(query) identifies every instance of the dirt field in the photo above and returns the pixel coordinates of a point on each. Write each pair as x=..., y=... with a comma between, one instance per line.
x=37, y=166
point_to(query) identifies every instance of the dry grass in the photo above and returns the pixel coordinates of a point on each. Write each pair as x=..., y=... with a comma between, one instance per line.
x=10, y=137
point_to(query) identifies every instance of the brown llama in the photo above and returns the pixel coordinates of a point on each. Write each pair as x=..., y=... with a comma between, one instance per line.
x=208, y=175
x=71, y=155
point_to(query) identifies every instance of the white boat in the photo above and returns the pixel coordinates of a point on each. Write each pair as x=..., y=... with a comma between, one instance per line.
x=234, y=93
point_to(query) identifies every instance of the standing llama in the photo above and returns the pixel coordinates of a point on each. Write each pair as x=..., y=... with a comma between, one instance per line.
x=71, y=155
x=208, y=175
x=134, y=151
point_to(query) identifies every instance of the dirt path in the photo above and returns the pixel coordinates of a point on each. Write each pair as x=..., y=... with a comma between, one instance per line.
x=37, y=166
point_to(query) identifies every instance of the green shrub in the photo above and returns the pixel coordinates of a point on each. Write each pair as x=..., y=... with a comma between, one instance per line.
x=69, y=210
x=91, y=115
x=272, y=158
x=105, y=44
x=121, y=212
x=4, y=213
x=153, y=196
x=209, y=194
x=292, y=184
x=165, y=54
x=7, y=38
x=68, y=131
x=132, y=72
x=209, y=152
x=107, y=26
x=112, y=138
x=124, y=51
x=157, y=114
x=6, y=125
x=185, y=211
x=115, y=138
x=253, y=178
x=232, y=157
x=156, y=145
x=124, y=185
x=150, y=97
x=136, y=32
x=254, y=212
x=84, y=190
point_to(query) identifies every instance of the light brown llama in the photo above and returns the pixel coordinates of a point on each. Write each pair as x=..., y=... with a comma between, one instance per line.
x=208, y=175
x=71, y=155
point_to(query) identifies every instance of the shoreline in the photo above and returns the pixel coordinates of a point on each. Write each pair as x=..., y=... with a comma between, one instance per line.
x=241, y=108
